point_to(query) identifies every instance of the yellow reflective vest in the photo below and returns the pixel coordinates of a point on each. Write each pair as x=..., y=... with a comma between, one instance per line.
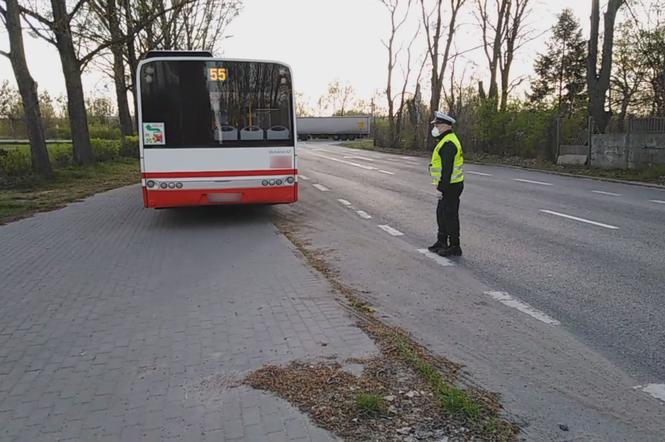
x=436, y=167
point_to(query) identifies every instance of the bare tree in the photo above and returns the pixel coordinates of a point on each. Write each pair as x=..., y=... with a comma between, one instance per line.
x=434, y=30
x=406, y=74
x=493, y=36
x=396, y=22
x=515, y=36
x=55, y=26
x=629, y=73
x=205, y=21
x=11, y=17
x=110, y=29
x=598, y=82
x=504, y=32
x=339, y=97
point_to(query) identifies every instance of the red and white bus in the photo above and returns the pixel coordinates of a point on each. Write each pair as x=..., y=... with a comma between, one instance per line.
x=215, y=131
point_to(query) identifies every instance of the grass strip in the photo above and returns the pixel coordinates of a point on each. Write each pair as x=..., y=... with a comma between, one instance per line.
x=28, y=196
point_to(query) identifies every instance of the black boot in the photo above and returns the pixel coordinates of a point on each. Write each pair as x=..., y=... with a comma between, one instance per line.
x=453, y=250
x=440, y=244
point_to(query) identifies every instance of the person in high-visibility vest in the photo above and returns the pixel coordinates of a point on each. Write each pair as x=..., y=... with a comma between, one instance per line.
x=446, y=169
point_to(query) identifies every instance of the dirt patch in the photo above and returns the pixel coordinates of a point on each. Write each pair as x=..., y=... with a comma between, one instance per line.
x=405, y=393
x=399, y=396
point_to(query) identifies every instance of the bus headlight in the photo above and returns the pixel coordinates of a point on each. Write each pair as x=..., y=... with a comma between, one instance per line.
x=290, y=180
x=178, y=185
x=278, y=182
x=150, y=184
x=272, y=182
x=265, y=182
x=163, y=185
x=171, y=185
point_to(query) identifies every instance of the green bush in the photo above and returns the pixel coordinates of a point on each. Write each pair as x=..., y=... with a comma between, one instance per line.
x=58, y=133
x=15, y=162
x=104, y=132
x=130, y=147
x=105, y=150
x=61, y=155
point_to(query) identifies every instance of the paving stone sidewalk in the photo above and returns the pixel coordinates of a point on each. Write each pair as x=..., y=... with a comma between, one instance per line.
x=123, y=323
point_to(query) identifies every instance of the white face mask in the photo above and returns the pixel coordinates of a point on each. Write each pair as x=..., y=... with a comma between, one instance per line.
x=435, y=131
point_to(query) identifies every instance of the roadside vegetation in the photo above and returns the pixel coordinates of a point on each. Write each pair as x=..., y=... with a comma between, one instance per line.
x=651, y=175
x=23, y=192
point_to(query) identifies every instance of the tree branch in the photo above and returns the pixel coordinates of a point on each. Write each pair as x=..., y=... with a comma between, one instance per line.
x=37, y=17
x=125, y=38
x=39, y=33
x=76, y=8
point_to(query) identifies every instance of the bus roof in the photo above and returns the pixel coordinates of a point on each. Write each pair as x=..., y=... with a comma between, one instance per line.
x=155, y=54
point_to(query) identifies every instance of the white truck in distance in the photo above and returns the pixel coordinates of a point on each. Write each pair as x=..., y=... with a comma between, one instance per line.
x=337, y=128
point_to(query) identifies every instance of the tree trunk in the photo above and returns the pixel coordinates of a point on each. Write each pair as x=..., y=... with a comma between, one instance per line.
x=78, y=119
x=126, y=126
x=505, y=78
x=599, y=82
x=132, y=59
x=28, y=89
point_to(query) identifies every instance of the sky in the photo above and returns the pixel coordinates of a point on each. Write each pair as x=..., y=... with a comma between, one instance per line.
x=322, y=40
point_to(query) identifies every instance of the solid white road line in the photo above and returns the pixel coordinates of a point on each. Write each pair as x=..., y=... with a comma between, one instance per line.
x=386, y=172
x=657, y=201
x=606, y=193
x=350, y=163
x=363, y=214
x=351, y=157
x=655, y=390
x=438, y=259
x=321, y=187
x=390, y=230
x=507, y=300
x=563, y=215
x=532, y=182
x=303, y=177
x=478, y=173
x=345, y=202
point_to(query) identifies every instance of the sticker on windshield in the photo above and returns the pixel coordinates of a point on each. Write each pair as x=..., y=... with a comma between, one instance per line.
x=153, y=133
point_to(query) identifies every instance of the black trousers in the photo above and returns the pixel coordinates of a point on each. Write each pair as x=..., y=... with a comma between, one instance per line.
x=447, y=214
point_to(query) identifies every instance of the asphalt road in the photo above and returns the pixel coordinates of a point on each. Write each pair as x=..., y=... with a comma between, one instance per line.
x=584, y=257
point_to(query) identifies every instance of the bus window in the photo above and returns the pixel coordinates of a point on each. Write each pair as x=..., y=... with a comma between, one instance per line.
x=218, y=103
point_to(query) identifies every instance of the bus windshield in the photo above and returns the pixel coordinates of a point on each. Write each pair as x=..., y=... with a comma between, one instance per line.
x=215, y=103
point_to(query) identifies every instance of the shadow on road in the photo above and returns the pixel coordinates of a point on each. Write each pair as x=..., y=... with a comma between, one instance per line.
x=208, y=216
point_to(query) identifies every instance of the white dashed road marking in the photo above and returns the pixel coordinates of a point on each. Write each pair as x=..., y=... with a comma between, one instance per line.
x=532, y=182
x=563, y=215
x=655, y=390
x=507, y=300
x=601, y=192
x=363, y=214
x=439, y=259
x=303, y=177
x=390, y=230
x=345, y=202
x=321, y=187
x=351, y=157
x=657, y=201
x=478, y=173
x=350, y=163
x=386, y=172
